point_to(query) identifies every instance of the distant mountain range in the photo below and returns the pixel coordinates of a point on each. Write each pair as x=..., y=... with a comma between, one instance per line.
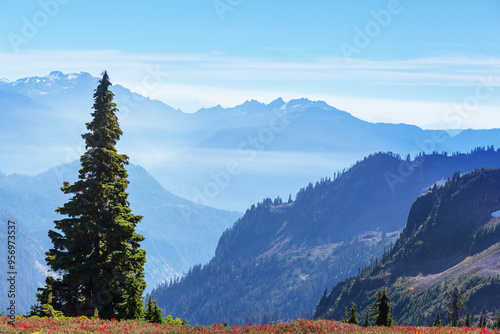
x=223, y=157
x=230, y=158
x=179, y=233
x=275, y=262
x=451, y=240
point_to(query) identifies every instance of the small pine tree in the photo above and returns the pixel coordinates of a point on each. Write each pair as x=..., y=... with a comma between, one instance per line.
x=353, y=316
x=382, y=309
x=153, y=313
x=437, y=320
x=366, y=323
x=148, y=313
x=456, y=303
x=496, y=324
x=468, y=320
x=482, y=321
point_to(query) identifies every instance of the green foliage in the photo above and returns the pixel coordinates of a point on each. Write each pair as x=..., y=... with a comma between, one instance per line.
x=455, y=304
x=468, y=320
x=382, y=310
x=437, y=320
x=153, y=313
x=45, y=305
x=353, y=315
x=96, y=247
x=49, y=312
x=482, y=323
x=496, y=323
x=171, y=321
x=366, y=322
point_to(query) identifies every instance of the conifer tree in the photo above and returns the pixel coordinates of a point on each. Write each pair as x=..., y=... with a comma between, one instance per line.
x=496, y=324
x=153, y=313
x=382, y=309
x=366, y=323
x=437, y=320
x=482, y=322
x=456, y=303
x=346, y=314
x=353, y=315
x=96, y=249
x=468, y=320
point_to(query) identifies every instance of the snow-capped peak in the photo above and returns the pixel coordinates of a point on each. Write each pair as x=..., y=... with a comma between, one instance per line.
x=53, y=83
x=57, y=75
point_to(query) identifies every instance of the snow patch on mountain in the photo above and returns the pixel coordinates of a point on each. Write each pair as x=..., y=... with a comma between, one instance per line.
x=53, y=83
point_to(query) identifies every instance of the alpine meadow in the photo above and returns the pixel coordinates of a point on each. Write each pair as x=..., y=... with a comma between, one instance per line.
x=231, y=166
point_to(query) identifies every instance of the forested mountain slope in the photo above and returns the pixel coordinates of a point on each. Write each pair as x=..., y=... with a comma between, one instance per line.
x=450, y=240
x=274, y=263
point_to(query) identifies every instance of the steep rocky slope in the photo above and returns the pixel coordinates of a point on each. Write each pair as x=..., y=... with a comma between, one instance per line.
x=450, y=240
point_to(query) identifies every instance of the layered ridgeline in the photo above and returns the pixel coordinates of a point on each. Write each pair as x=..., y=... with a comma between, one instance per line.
x=451, y=240
x=271, y=149
x=179, y=233
x=275, y=262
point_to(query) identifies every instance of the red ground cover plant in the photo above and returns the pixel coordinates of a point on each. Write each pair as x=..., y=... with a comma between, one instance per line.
x=84, y=325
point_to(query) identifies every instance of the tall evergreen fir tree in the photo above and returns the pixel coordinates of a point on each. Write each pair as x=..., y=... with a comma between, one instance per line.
x=96, y=248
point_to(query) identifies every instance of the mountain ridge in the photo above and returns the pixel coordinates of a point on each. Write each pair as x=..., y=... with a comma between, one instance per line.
x=291, y=249
x=304, y=139
x=450, y=241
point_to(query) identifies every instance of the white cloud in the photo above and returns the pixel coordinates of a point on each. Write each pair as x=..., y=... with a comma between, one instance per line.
x=190, y=80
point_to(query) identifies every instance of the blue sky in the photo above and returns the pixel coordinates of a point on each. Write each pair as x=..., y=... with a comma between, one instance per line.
x=435, y=64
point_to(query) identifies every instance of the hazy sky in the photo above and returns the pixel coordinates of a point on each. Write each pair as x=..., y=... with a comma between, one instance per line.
x=435, y=64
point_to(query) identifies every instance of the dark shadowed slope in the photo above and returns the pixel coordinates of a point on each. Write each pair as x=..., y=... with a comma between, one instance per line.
x=274, y=262
x=450, y=240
